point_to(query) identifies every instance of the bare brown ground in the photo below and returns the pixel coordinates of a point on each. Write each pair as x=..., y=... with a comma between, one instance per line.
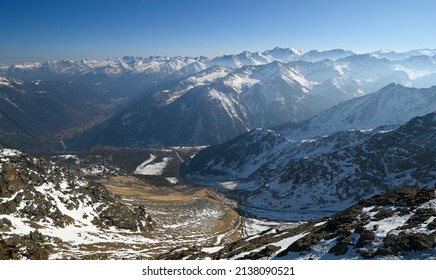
x=184, y=217
x=166, y=202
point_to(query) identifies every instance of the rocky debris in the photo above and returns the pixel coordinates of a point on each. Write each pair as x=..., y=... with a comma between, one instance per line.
x=421, y=215
x=366, y=236
x=432, y=225
x=361, y=231
x=33, y=246
x=342, y=224
x=405, y=196
x=305, y=243
x=98, y=192
x=5, y=224
x=124, y=217
x=339, y=226
x=193, y=252
x=383, y=214
x=267, y=251
x=394, y=244
x=341, y=247
x=237, y=249
x=263, y=241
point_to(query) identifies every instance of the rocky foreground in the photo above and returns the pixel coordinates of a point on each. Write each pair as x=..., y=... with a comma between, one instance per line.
x=45, y=210
x=397, y=225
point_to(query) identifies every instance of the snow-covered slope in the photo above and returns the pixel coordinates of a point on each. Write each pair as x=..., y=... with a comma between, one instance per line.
x=233, y=100
x=204, y=77
x=391, y=105
x=111, y=67
x=128, y=76
x=283, y=54
x=348, y=122
x=287, y=175
x=247, y=58
x=242, y=59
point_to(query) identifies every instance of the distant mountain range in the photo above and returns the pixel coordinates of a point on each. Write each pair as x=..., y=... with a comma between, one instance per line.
x=202, y=101
x=116, y=77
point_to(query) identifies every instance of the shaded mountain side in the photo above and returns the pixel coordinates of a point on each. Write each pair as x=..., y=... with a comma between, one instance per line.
x=48, y=112
x=330, y=173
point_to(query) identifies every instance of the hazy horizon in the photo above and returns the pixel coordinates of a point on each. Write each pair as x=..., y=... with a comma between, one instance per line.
x=209, y=57
x=49, y=30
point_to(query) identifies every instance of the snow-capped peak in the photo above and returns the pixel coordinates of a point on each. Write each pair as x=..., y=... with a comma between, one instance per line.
x=283, y=54
x=4, y=81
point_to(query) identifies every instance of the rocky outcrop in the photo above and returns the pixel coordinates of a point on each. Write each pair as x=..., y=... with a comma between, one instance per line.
x=398, y=244
x=366, y=227
x=37, y=195
x=33, y=246
x=124, y=217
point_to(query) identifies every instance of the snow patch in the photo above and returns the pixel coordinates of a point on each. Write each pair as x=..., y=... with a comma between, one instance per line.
x=9, y=152
x=149, y=168
x=172, y=180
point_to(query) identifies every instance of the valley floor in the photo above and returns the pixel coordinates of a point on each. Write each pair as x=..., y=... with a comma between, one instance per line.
x=185, y=217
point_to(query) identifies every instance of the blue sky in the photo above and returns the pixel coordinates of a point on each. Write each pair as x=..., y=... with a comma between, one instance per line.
x=56, y=29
